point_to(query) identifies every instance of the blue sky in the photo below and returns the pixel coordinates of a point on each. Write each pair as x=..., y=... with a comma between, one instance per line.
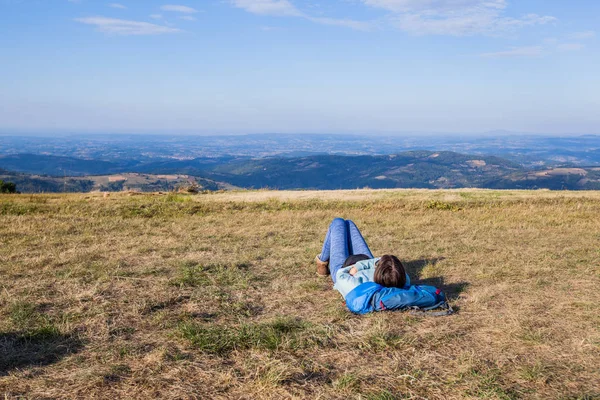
x=335, y=66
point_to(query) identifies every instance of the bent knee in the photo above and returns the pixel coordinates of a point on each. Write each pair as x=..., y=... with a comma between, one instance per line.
x=338, y=221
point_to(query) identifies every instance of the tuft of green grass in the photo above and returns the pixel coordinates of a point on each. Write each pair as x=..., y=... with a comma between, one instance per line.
x=536, y=372
x=222, y=340
x=380, y=341
x=232, y=276
x=210, y=338
x=533, y=335
x=46, y=331
x=21, y=208
x=177, y=198
x=439, y=205
x=23, y=314
x=347, y=382
x=312, y=286
x=191, y=274
x=31, y=323
x=380, y=336
x=488, y=385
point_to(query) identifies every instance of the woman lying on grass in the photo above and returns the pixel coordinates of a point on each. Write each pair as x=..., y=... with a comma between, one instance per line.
x=368, y=283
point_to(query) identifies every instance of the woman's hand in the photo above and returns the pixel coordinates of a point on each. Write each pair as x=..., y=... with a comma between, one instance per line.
x=353, y=271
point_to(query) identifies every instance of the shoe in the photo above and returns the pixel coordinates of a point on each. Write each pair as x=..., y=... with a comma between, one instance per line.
x=322, y=267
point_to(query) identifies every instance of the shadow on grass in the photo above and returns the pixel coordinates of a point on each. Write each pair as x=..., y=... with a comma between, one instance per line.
x=415, y=268
x=304, y=378
x=21, y=349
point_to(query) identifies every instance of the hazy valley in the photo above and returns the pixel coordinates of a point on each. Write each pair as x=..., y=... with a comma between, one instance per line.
x=116, y=162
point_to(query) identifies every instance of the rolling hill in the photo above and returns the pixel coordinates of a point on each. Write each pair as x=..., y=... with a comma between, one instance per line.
x=418, y=169
x=27, y=183
x=413, y=169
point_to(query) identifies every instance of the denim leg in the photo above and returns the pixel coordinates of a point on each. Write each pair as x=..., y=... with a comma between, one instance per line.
x=358, y=245
x=335, y=247
x=324, y=255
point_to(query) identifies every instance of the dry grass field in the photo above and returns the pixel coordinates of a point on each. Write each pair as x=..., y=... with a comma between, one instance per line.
x=215, y=296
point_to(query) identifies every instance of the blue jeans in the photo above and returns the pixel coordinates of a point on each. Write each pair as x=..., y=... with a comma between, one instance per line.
x=343, y=239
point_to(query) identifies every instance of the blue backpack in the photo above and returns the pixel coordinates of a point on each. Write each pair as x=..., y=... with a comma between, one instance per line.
x=370, y=296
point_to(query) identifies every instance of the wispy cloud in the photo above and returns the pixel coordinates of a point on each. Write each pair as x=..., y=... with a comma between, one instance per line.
x=549, y=46
x=347, y=23
x=178, y=8
x=156, y=16
x=527, y=51
x=455, y=17
x=583, y=35
x=269, y=28
x=427, y=5
x=284, y=8
x=418, y=17
x=188, y=18
x=123, y=27
x=117, y=5
x=570, y=46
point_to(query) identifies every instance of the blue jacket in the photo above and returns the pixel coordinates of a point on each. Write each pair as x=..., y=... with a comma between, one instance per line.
x=370, y=296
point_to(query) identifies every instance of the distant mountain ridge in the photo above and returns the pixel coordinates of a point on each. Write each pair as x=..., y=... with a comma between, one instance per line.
x=52, y=165
x=56, y=165
x=411, y=169
x=526, y=149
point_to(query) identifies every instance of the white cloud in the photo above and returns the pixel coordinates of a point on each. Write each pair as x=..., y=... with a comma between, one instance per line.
x=269, y=7
x=124, y=27
x=570, y=46
x=455, y=17
x=347, y=23
x=583, y=35
x=188, y=18
x=418, y=17
x=527, y=51
x=156, y=16
x=549, y=46
x=117, y=5
x=429, y=5
x=284, y=8
x=178, y=8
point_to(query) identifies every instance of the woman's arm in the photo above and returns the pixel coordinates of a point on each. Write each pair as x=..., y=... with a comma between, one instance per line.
x=345, y=282
x=346, y=273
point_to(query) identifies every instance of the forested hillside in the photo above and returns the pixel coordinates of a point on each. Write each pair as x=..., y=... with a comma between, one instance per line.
x=413, y=169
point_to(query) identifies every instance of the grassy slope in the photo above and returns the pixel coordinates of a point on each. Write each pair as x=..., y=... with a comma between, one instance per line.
x=215, y=296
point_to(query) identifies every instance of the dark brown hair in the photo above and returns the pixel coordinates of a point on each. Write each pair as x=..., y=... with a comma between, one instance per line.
x=390, y=272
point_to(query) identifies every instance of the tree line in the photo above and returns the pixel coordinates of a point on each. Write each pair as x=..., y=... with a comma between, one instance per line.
x=7, y=187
